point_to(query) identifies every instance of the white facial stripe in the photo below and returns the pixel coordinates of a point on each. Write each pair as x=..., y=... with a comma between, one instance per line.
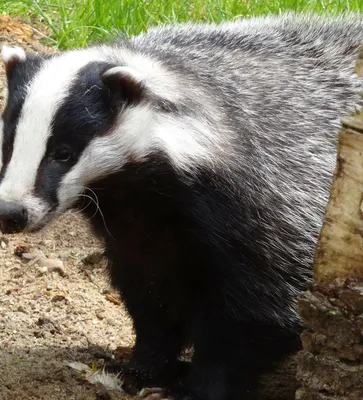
x=139, y=131
x=45, y=94
x=107, y=154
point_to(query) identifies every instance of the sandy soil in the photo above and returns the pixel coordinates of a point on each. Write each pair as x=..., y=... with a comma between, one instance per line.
x=54, y=307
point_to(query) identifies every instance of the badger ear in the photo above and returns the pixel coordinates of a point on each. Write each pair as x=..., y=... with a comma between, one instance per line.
x=126, y=82
x=12, y=57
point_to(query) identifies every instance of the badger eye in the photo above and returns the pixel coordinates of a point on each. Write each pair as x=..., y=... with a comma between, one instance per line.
x=62, y=155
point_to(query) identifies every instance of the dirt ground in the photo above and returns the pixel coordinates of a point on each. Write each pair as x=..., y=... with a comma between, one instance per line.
x=54, y=307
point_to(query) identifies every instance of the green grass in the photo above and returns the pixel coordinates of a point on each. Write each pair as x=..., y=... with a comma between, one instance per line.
x=74, y=23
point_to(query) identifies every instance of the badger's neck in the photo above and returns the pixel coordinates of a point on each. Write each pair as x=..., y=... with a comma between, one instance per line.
x=142, y=199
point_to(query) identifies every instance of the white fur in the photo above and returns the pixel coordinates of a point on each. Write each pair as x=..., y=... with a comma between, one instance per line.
x=125, y=72
x=152, y=73
x=12, y=54
x=45, y=93
x=139, y=131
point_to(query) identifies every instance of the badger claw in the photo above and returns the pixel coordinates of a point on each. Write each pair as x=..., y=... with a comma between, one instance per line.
x=154, y=394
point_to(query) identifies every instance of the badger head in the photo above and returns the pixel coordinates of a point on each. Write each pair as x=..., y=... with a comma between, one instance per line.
x=75, y=117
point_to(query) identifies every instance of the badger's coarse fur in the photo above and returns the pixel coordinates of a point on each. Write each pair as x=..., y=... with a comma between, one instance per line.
x=209, y=150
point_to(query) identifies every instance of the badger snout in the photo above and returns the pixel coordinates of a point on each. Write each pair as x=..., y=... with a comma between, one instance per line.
x=13, y=217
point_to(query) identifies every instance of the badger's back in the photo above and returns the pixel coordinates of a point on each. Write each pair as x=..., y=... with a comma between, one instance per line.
x=275, y=89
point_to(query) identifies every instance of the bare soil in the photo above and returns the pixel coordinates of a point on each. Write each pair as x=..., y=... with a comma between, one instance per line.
x=54, y=307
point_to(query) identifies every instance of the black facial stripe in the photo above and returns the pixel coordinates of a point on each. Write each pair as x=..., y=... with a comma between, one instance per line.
x=21, y=75
x=88, y=111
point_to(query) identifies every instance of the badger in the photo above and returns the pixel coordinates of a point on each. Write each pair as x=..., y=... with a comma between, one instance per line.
x=208, y=151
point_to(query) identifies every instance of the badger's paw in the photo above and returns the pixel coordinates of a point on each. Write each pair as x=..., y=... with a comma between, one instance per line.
x=133, y=379
x=164, y=394
x=154, y=394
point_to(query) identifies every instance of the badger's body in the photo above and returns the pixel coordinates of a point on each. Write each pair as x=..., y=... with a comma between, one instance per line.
x=210, y=151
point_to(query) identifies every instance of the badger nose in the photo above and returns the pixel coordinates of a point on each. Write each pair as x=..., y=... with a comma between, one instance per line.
x=13, y=217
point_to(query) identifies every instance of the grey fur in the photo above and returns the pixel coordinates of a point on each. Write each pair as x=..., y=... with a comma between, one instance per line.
x=263, y=98
x=273, y=89
x=217, y=156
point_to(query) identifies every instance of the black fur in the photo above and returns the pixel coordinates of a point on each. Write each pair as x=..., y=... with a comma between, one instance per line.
x=210, y=254
x=18, y=78
x=162, y=240
x=85, y=113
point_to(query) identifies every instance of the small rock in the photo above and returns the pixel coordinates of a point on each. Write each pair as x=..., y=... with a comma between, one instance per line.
x=59, y=297
x=91, y=277
x=20, y=250
x=53, y=265
x=113, y=298
x=28, y=256
x=38, y=334
x=47, y=242
x=93, y=258
x=4, y=241
x=47, y=324
x=111, y=322
x=22, y=309
x=42, y=270
x=100, y=313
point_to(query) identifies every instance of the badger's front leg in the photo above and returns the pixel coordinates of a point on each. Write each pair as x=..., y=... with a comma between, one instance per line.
x=154, y=360
x=157, y=313
x=231, y=356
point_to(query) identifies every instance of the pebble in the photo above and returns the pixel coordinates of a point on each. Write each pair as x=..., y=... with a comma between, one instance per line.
x=42, y=270
x=59, y=297
x=20, y=250
x=4, y=241
x=93, y=258
x=28, y=256
x=111, y=322
x=22, y=310
x=113, y=298
x=100, y=314
x=53, y=265
x=45, y=242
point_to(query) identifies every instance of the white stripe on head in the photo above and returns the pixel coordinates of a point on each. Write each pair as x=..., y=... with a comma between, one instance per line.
x=45, y=94
x=139, y=131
